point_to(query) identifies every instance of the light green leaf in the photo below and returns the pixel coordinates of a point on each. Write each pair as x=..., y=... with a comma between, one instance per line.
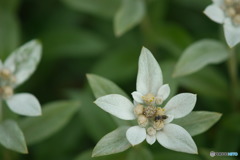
x=113, y=142
x=103, y=8
x=140, y=153
x=12, y=137
x=208, y=82
x=9, y=31
x=199, y=55
x=102, y=86
x=23, y=61
x=198, y=121
x=129, y=15
x=55, y=116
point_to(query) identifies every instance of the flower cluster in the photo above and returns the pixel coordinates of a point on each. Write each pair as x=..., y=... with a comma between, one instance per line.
x=153, y=119
x=16, y=69
x=226, y=12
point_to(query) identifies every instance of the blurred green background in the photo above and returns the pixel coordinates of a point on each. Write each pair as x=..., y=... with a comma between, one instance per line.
x=80, y=36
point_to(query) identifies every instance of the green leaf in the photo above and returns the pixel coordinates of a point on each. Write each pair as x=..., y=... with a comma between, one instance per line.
x=129, y=15
x=208, y=82
x=9, y=31
x=199, y=55
x=12, y=137
x=23, y=61
x=113, y=142
x=230, y=122
x=103, y=8
x=198, y=121
x=139, y=153
x=55, y=116
x=102, y=86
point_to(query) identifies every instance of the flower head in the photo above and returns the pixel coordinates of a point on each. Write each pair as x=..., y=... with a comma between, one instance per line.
x=153, y=119
x=226, y=12
x=14, y=71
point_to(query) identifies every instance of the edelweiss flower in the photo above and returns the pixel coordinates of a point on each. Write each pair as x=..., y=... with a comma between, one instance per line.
x=154, y=120
x=226, y=12
x=14, y=71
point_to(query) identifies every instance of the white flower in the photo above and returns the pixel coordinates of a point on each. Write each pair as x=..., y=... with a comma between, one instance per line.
x=226, y=12
x=17, y=68
x=153, y=120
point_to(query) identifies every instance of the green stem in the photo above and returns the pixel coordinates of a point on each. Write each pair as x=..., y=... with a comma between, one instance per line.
x=232, y=67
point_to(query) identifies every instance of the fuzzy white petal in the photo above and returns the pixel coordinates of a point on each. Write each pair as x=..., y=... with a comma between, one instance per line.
x=169, y=119
x=117, y=105
x=164, y=91
x=215, y=13
x=151, y=139
x=218, y=2
x=136, y=135
x=231, y=32
x=180, y=105
x=24, y=104
x=137, y=96
x=149, y=78
x=176, y=138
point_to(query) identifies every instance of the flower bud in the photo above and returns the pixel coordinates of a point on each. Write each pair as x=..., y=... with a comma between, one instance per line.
x=142, y=121
x=138, y=109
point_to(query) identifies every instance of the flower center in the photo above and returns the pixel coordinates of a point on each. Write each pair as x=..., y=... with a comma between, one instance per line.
x=7, y=80
x=232, y=10
x=150, y=117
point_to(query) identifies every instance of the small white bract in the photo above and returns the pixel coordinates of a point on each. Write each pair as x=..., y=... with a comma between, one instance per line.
x=154, y=120
x=226, y=12
x=17, y=68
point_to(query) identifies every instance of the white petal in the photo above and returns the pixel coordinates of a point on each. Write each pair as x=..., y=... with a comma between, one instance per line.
x=232, y=33
x=137, y=96
x=176, y=138
x=164, y=91
x=24, y=104
x=180, y=105
x=169, y=119
x=136, y=135
x=218, y=2
x=117, y=105
x=149, y=78
x=24, y=60
x=151, y=139
x=215, y=13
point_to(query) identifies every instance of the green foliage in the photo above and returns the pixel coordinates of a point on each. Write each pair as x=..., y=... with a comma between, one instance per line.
x=113, y=142
x=198, y=121
x=130, y=14
x=55, y=116
x=200, y=54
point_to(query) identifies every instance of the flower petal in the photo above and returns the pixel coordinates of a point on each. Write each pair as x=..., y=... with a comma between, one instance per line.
x=149, y=78
x=169, y=119
x=151, y=139
x=176, y=138
x=117, y=105
x=136, y=135
x=218, y=2
x=164, y=91
x=24, y=104
x=232, y=33
x=137, y=96
x=180, y=105
x=215, y=13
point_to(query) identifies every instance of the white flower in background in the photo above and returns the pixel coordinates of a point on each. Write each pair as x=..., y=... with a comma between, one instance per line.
x=154, y=120
x=226, y=12
x=16, y=69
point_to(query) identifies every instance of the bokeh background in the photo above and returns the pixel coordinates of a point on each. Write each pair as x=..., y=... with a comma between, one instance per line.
x=78, y=38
